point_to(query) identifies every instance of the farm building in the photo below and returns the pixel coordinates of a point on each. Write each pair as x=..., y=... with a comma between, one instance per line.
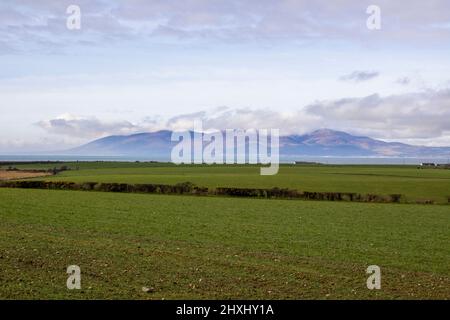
x=428, y=164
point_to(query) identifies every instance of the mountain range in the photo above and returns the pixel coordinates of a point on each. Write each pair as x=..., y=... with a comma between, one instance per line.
x=323, y=142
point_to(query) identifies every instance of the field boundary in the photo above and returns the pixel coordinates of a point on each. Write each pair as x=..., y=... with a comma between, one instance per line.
x=6, y=175
x=188, y=188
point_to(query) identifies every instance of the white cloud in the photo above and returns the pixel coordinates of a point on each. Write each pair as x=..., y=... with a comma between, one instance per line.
x=360, y=76
x=420, y=117
x=412, y=116
x=82, y=127
x=39, y=25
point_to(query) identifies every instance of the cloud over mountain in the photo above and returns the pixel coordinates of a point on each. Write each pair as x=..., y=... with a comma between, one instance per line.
x=70, y=125
x=419, y=117
x=325, y=142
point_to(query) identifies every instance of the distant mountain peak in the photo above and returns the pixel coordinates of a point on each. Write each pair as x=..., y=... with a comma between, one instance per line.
x=322, y=142
x=326, y=131
x=330, y=132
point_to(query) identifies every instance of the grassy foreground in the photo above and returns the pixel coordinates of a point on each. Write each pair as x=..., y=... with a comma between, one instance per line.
x=200, y=247
x=415, y=184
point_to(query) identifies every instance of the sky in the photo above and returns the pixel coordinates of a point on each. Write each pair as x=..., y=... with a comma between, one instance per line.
x=294, y=65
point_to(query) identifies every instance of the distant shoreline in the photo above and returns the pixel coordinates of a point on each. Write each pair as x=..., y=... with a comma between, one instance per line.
x=284, y=160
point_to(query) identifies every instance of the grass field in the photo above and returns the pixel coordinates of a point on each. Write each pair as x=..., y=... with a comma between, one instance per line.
x=415, y=184
x=200, y=247
x=211, y=247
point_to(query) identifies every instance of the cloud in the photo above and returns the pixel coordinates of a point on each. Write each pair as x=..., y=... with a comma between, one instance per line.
x=404, y=81
x=420, y=117
x=81, y=127
x=35, y=24
x=360, y=76
x=218, y=119
x=247, y=118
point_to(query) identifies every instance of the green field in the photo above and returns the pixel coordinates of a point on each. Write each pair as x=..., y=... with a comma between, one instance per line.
x=415, y=184
x=188, y=247
x=202, y=247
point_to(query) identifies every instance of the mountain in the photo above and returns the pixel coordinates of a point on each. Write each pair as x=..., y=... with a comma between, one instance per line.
x=324, y=142
x=154, y=144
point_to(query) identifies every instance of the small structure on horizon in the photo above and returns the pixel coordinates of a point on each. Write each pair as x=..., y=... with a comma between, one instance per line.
x=307, y=163
x=428, y=164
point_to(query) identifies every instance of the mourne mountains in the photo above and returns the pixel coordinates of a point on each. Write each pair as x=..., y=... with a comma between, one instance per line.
x=324, y=142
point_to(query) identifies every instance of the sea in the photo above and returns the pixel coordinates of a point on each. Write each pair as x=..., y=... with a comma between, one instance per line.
x=323, y=160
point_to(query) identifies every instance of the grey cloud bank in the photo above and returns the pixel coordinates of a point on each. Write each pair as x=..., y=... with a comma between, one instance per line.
x=421, y=115
x=359, y=76
x=85, y=127
x=413, y=116
x=27, y=24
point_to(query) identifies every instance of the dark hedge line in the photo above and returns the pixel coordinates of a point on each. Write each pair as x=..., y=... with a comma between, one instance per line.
x=192, y=189
x=180, y=188
x=294, y=194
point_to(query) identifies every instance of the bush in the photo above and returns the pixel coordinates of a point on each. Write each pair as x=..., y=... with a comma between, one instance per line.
x=395, y=197
x=185, y=187
x=88, y=186
x=425, y=201
x=258, y=193
x=348, y=196
x=374, y=198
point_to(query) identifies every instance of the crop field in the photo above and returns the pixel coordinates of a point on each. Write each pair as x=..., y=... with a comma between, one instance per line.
x=204, y=247
x=196, y=247
x=415, y=184
x=12, y=175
